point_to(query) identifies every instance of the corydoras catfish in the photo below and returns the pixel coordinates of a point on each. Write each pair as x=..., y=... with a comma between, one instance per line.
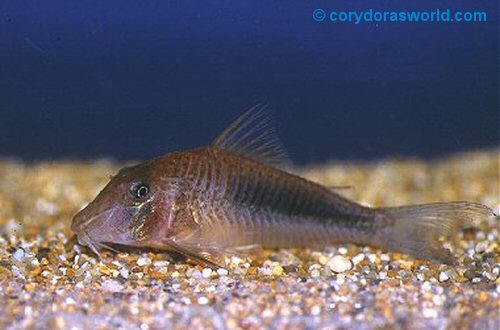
x=209, y=202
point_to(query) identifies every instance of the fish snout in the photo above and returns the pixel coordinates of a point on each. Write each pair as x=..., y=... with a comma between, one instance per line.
x=86, y=219
x=79, y=220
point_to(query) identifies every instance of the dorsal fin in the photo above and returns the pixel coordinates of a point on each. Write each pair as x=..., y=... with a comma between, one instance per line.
x=252, y=135
x=340, y=188
x=345, y=191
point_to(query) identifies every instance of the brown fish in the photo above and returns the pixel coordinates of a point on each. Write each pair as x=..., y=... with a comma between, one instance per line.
x=209, y=202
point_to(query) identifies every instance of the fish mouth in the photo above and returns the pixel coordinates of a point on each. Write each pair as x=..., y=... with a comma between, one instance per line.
x=85, y=239
x=81, y=228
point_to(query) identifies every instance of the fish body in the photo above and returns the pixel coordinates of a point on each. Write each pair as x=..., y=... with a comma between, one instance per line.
x=215, y=201
x=236, y=201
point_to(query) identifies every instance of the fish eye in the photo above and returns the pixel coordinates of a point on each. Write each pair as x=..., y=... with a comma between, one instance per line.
x=139, y=190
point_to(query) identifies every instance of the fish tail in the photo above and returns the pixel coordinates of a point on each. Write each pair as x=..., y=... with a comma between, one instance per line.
x=416, y=229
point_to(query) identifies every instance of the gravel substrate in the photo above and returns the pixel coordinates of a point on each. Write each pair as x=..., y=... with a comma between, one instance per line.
x=48, y=281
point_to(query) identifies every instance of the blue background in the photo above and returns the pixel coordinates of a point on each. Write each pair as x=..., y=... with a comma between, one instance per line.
x=136, y=79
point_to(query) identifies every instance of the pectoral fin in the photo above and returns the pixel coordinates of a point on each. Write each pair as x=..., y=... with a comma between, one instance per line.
x=207, y=256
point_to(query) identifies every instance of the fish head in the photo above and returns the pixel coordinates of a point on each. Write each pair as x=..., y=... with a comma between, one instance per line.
x=125, y=212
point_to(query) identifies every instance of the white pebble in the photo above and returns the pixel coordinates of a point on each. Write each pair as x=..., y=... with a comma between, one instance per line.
x=222, y=272
x=161, y=263
x=267, y=313
x=265, y=271
x=315, y=310
x=117, y=264
x=16, y=272
x=203, y=300
x=235, y=260
x=112, y=286
x=438, y=299
x=18, y=255
x=13, y=227
x=196, y=274
x=143, y=261
x=443, y=277
x=124, y=273
x=429, y=313
x=206, y=273
x=385, y=257
x=476, y=280
x=358, y=258
x=340, y=264
x=70, y=301
x=481, y=247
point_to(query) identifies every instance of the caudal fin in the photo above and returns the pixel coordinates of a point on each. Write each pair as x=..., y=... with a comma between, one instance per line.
x=416, y=229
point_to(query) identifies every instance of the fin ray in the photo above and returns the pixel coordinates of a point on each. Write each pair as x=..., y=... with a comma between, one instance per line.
x=416, y=229
x=210, y=258
x=252, y=135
